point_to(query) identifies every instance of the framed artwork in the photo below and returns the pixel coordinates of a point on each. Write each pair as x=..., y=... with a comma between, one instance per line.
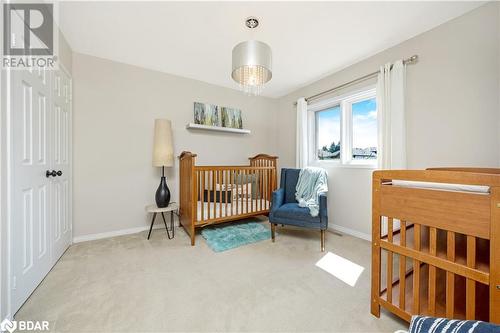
x=214, y=115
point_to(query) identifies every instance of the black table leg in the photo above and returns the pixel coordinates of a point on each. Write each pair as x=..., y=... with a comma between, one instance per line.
x=152, y=222
x=172, y=223
x=165, y=222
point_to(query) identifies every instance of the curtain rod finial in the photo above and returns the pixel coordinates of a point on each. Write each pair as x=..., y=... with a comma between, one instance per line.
x=413, y=59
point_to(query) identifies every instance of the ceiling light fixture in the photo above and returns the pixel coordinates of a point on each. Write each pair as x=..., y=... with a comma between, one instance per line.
x=252, y=62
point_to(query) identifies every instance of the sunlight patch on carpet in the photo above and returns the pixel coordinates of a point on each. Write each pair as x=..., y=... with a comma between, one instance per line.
x=343, y=269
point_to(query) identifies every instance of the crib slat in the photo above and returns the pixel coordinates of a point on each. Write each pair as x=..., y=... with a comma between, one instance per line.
x=258, y=196
x=198, y=181
x=450, y=277
x=239, y=189
x=216, y=182
x=258, y=199
x=270, y=174
x=253, y=174
x=416, y=271
x=390, y=265
x=219, y=193
x=241, y=197
x=226, y=185
x=230, y=189
x=196, y=192
x=432, y=271
x=402, y=268
x=263, y=192
x=266, y=189
x=262, y=183
x=270, y=187
x=221, y=182
x=202, y=197
x=470, y=287
x=246, y=191
x=231, y=181
x=217, y=207
x=213, y=194
x=255, y=201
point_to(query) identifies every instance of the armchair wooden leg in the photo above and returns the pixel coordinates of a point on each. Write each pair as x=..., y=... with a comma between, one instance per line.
x=322, y=240
x=273, y=231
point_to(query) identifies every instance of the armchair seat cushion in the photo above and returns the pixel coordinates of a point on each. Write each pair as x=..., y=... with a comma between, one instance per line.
x=293, y=211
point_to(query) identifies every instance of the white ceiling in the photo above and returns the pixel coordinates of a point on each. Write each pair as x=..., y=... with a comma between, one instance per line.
x=195, y=39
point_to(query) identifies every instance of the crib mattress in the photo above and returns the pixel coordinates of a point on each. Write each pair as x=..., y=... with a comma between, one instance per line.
x=443, y=186
x=237, y=207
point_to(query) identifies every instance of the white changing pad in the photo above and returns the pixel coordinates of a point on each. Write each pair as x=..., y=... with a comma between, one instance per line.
x=238, y=207
x=443, y=186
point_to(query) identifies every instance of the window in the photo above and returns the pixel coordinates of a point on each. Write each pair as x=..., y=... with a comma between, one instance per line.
x=328, y=133
x=364, y=129
x=344, y=129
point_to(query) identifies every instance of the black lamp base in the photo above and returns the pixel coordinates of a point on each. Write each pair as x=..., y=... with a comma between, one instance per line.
x=162, y=194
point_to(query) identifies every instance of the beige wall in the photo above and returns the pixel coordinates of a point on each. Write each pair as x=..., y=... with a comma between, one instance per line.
x=452, y=111
x=65, y=53
x=114, y=110
x=453, y=119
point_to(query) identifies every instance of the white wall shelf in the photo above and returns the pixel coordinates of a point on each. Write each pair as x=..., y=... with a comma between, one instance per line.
x=217, y=128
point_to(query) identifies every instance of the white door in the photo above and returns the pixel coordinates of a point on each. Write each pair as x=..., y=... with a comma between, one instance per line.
x=61, y=129
x=40, y=225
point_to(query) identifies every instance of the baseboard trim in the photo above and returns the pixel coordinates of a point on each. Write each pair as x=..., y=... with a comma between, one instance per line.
x=109, y=234
x=350, y=232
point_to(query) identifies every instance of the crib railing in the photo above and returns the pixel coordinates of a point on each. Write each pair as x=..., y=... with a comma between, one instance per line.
x=225, y=192
x=216, y=194
x=439, y=249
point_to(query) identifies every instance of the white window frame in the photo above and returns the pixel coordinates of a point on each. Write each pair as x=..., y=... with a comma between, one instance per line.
x=345, y=102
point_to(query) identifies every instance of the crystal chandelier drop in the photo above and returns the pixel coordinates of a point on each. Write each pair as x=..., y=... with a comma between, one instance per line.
x=252, y=63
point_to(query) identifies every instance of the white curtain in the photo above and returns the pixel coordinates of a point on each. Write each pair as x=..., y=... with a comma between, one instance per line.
x=391, y=116
x=301, y=136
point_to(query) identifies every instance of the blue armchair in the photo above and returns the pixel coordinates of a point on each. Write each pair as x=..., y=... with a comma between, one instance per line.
x=285, y=209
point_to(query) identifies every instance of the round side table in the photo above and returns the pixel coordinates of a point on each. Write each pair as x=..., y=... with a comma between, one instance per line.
x=172, y=208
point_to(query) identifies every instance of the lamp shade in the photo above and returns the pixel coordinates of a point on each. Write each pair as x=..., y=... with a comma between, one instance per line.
x=252, y=65
x=163, y=150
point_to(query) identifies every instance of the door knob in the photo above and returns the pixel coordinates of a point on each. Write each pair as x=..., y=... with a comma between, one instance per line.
x=59, y=173
x=49, y=173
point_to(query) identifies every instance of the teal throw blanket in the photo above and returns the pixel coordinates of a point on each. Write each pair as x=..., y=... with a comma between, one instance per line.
x=312, y=182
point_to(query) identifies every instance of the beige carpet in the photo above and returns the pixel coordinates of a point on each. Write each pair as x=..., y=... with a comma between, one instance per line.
x=131, y=284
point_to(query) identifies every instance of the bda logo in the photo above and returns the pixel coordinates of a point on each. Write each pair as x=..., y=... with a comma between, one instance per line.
x=8, y=325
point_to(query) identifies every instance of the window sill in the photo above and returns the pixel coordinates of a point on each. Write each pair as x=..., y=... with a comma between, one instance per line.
x=337, y=164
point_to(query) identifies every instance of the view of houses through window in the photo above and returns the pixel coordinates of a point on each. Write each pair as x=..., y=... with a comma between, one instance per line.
x=328, y=133
x=353, y=120
x=364, y=129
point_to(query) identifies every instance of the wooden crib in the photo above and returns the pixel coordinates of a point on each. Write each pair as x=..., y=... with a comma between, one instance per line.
x=217, y=194
x=436, y=251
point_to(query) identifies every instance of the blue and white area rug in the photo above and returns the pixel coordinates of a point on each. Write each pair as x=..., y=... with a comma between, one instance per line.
x=228, y=237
